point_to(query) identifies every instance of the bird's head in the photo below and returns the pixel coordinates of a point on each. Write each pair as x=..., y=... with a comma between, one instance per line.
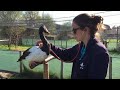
x=43, y=29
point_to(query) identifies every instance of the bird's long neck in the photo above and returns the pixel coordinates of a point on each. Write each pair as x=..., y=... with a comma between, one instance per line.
x=43, y=38
x=46, y=44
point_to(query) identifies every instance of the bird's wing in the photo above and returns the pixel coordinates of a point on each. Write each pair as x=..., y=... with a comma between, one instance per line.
x=25, y=53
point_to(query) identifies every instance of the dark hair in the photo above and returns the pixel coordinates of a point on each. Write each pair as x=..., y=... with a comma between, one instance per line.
x=85, y=20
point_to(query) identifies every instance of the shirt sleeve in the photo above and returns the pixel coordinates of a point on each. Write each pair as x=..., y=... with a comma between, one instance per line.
x=98, y=66
x=66, y=55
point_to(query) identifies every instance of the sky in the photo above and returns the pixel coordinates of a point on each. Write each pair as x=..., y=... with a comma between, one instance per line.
x=111, y=18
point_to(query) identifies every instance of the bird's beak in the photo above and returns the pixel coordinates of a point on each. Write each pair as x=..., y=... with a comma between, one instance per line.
x=46, y=30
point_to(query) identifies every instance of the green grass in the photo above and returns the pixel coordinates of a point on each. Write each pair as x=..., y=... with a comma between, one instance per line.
x=5, y=47
x=8, y=60
x=114, y=52
x=111, y=46
x=116, y=68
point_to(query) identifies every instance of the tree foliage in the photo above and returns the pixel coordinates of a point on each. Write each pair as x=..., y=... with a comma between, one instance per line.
x=9, y=28
x=65, y=29
x=31, y=17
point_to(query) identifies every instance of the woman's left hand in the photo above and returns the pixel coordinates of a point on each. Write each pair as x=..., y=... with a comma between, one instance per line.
x=39, y=43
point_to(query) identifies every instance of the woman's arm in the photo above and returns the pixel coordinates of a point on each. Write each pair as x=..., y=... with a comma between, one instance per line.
x=67, y=55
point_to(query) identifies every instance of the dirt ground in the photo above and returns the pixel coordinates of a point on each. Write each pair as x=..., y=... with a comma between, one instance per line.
x=6, y=74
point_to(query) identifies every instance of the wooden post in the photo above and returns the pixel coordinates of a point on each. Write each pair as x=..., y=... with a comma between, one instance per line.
x=46, y=71
x=61, y=43
x=20, y=53
x=117, y=37
x=54, y=41
x=110, y=68
x=46, y=67
x=61, y=72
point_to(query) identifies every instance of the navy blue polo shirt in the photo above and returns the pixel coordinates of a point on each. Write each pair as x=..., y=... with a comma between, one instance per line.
x=94, y=63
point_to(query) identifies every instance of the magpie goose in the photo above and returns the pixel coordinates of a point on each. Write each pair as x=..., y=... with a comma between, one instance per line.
x=37, y=53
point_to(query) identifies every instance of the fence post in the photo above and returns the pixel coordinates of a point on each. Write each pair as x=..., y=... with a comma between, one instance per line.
x=117, y=37
x=61, y=72
x=105, y=43
x=46, y=70
x=20, y=53
x=110, y=68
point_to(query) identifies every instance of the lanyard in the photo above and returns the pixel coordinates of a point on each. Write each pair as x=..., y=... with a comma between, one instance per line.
x=83, y=50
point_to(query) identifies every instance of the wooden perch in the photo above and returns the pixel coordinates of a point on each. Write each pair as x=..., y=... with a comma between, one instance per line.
x=46, y=67
x=50, y=57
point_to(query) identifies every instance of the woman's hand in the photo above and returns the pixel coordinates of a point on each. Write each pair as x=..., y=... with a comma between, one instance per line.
x=39, y=43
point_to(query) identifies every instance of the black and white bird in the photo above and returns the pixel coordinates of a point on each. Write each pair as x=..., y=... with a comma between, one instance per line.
x=36, y=53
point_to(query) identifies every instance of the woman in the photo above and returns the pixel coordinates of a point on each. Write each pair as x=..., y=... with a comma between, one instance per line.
x=89, y=57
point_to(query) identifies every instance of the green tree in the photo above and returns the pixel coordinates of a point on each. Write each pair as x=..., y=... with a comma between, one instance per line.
x=10, y=16
x=10, y=29
x=31, y=17
x=65, y=29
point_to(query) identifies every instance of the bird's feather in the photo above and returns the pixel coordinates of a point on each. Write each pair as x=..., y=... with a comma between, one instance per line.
x=36, y=54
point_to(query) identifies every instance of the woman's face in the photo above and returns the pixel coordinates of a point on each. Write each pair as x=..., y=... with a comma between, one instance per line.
x=78, y=33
